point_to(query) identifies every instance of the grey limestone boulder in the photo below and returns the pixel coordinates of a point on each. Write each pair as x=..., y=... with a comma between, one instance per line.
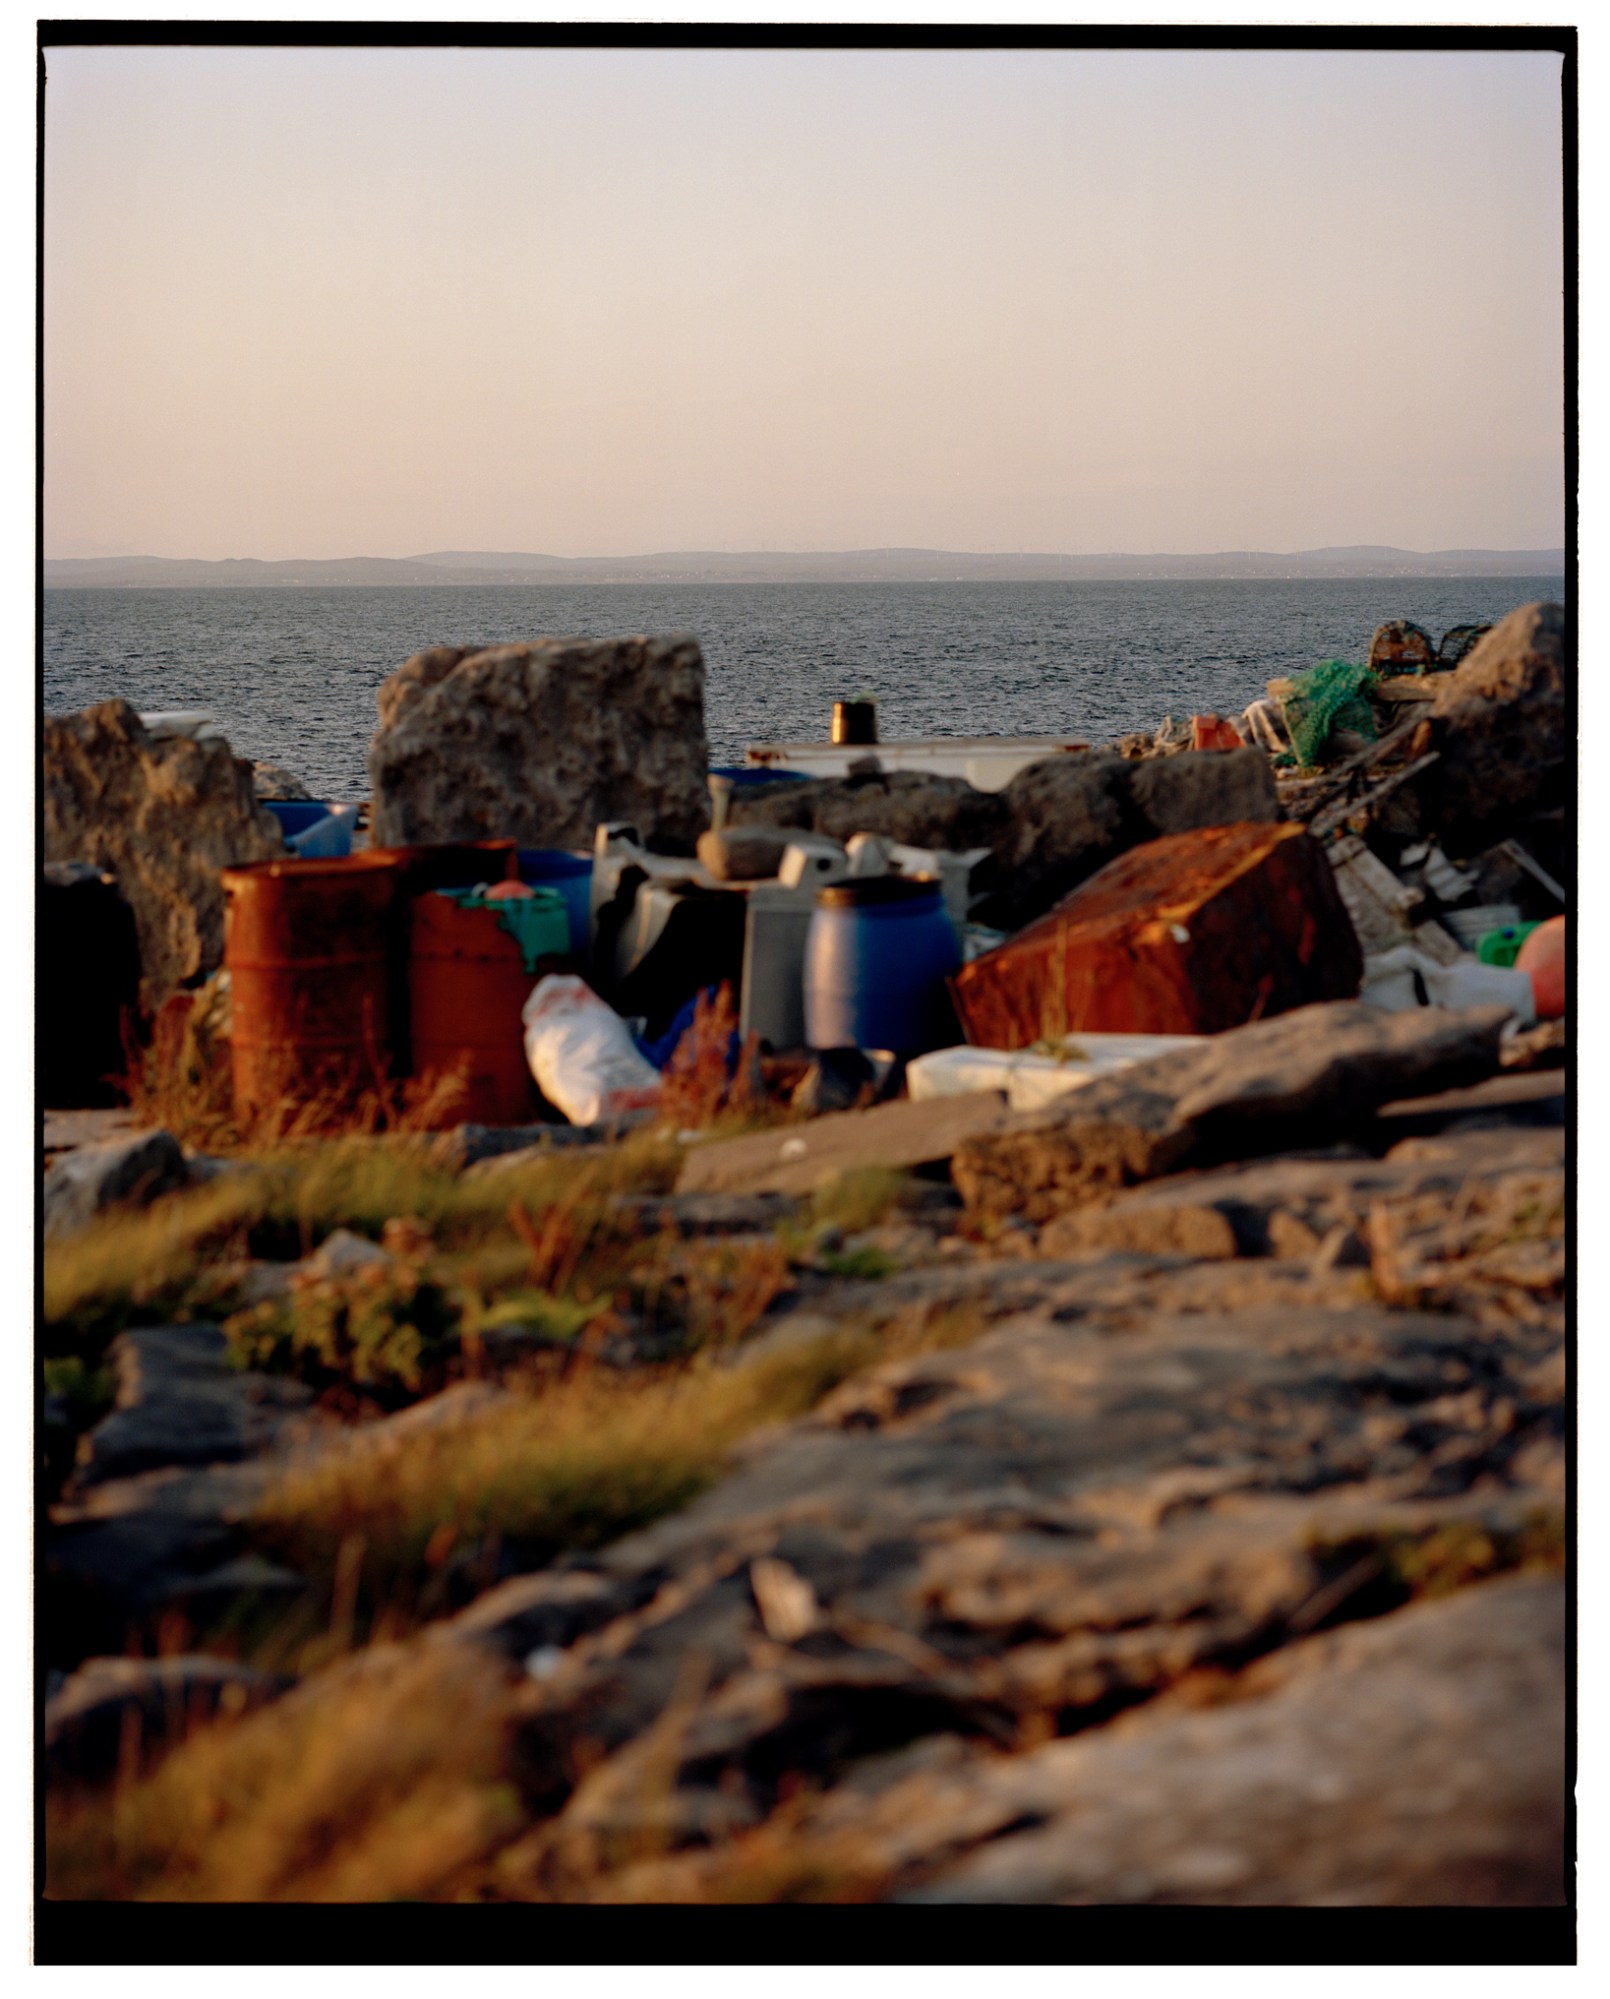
x=1204, y=788
x=180, y=1402
x=1067, y=817
x=122, y=1171
x=917, y=808
x=271, y=780
x=163, y=818
x=1498, y=725
x=541, y=742
x=1418, y=1758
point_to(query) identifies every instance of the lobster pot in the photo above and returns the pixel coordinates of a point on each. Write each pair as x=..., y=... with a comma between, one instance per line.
x=308, y=946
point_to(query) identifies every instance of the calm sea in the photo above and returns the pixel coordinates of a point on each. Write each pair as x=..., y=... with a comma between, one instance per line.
x=291, y=674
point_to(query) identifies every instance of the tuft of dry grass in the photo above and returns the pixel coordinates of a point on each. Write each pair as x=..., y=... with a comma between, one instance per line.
x=859, y=1199
x=382, y=1780
x=702, y=1084
x=181, y=1077
x=388, y=1774
x=587, y=1457
x=164, y=1261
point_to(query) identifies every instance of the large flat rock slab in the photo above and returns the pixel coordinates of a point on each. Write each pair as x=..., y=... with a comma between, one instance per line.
x=180, y=1401
x=1156, y=1470
x=1299, y=1080
x=1417, y=1759
x=1535, y=1098
x=801, y=1158
x=129, y=1170
x=1289, y=1206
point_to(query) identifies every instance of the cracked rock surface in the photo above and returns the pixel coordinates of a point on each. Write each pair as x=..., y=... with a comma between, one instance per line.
x=1184, y=1572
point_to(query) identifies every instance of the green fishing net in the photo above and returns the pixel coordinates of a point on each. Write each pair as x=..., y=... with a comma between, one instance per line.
x=1329, y=696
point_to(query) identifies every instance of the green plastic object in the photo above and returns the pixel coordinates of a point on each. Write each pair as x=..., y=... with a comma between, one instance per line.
x=539, y=922
x=1501, y=947
x=1327, y=697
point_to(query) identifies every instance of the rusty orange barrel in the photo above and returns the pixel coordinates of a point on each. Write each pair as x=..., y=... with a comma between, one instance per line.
x=469, y=976
x=439, y=864
x=309, y=947
x=454, y=863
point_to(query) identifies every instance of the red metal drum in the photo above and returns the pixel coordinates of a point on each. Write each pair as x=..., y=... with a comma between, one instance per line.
x=309, y=947
x=440, y=864
x=467, y=982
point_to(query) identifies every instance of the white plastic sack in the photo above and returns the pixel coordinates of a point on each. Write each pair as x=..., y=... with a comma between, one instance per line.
x=1389, y=983
x=581, y=1053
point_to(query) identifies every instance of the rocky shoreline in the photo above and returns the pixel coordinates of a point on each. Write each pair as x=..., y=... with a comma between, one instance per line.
x=1158, y=1498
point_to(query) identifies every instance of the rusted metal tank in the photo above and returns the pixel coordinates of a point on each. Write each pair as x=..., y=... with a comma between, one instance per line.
x=454, y=863
x=468, y=979
x=1190, y=934
x=441, y=864
x=309, y=947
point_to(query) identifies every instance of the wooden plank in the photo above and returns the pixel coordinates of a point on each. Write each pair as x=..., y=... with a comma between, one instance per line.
x=797, y=1159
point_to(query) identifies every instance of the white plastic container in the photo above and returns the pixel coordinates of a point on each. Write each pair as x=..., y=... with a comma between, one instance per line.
x=1033, y=1080
x=1390, y=983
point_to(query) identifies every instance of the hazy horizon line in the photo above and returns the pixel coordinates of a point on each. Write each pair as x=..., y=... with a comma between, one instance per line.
x=823, y=554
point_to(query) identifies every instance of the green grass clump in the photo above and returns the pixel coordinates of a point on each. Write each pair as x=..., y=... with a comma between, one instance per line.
x=392, y=1333
x=865, y=1263
x=87, y=1390
x=1398, y=1565
x=144, y=1266
x=859, y=1199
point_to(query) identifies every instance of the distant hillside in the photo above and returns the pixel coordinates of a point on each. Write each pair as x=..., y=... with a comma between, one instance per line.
x=866, y=565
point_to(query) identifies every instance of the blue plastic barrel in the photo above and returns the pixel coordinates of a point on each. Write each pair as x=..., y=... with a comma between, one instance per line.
x=877, y=955
x=297, y=815
x=315, y=831
x=571, y=874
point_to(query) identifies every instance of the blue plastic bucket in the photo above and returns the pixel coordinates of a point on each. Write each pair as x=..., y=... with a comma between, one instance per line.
x=877, y=955
x=571, y=874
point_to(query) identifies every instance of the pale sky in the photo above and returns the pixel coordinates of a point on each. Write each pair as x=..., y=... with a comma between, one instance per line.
x=370, y=302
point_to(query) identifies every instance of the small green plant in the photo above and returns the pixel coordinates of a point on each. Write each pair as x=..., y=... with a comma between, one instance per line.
x=87, y=1390
x=865, y=1263
x=390, y=1335
x=859, y=1199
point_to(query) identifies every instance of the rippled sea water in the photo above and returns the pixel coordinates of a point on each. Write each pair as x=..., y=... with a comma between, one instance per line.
x=291, y=673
